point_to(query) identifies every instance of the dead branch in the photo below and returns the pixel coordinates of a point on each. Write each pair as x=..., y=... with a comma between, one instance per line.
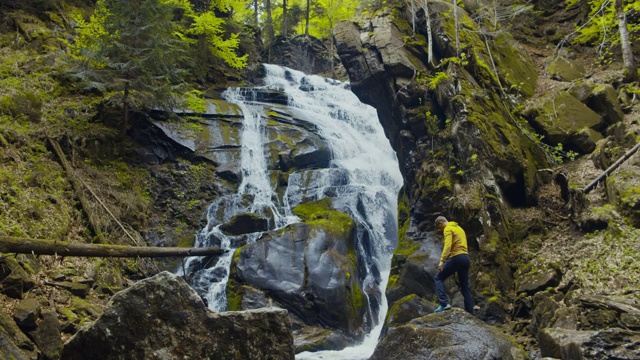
x=614, y=166
x=77, y=187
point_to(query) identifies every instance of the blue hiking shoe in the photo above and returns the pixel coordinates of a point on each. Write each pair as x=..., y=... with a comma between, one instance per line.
x=443, y=308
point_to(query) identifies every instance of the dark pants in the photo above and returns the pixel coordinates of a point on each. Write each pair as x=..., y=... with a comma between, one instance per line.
x=457, y=264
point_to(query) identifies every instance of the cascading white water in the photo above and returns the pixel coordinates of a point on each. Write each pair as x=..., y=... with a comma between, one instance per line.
x=255, y=195
x=363, y=181
x=364, y=184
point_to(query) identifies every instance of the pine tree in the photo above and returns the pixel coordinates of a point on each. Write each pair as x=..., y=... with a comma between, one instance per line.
x=133, y=50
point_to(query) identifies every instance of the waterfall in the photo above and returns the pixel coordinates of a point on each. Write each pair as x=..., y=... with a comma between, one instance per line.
x=363, y=180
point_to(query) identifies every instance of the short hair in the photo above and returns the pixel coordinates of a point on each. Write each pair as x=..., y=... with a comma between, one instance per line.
x=440, y=219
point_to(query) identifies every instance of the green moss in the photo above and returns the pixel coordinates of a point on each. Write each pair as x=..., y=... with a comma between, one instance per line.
x=320, y=213
x=84, y=310
x=234, y=291
x=393, y=280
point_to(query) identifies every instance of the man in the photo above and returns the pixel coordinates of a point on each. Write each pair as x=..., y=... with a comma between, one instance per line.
x=454, y=259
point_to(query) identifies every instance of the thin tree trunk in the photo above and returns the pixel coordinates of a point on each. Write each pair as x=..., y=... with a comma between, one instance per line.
x=77, y=188
x=306, y=26
x=125, y=100
x=60, y=248
x=270, y=34
x=425, y=7
x=455, y=20
x=284, y=18
x=256, y=14
x=413, y=16
x=630, y=67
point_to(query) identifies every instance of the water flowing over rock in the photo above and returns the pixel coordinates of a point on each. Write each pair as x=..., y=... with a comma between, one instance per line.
x=163, y=318
x=309, y=269
x=314, y=161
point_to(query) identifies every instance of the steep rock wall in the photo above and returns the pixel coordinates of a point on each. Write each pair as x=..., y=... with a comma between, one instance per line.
x=463, y=150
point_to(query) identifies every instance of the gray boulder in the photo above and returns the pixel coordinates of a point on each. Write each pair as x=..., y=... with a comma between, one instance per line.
x=452, y=334
x=307, y=268
x=163, y=318
x=15, y=344
x=612, y=343
x=47, y=335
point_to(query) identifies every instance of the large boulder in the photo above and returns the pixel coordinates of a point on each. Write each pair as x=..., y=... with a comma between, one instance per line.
x=452, y=334
x=559, y=116
x=566, y=70
x=305, y=53
x=612, y=343
x=163, y=318
x=308, y=267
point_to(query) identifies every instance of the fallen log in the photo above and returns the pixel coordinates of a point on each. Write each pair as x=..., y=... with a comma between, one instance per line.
x=613, y=166
x=61, y=248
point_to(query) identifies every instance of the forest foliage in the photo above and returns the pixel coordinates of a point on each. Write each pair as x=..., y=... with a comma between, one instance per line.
x=601, y=27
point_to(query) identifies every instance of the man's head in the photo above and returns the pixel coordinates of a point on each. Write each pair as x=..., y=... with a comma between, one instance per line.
x=441, y=222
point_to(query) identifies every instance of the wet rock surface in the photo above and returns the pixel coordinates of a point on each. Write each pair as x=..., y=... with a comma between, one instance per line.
x=451, y=334
x=162, y=317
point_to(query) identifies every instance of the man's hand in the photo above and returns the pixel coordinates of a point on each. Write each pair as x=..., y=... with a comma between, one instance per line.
x=440, y=266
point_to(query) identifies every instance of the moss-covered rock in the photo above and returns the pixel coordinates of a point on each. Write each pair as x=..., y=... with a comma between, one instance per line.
x=321, y=213
x=566, y=70
x=320, y=281
x=537, y=276
x=623, y=189
x=604, y=101
x=14, y=279
x=559, y=116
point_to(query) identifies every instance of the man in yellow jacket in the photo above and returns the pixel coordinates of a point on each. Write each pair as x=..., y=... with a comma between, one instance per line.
x=454, y=259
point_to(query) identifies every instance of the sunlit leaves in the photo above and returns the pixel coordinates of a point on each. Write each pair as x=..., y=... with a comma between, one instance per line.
x=209, y=26
x=602, y=26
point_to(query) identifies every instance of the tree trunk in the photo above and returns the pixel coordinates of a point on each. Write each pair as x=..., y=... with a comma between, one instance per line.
x=256, y=14
x=306, y=26
x=284, y=18
x=269, y=24
x=61, y=248
x=630, y=67
x=455, y=21
x=425, y=7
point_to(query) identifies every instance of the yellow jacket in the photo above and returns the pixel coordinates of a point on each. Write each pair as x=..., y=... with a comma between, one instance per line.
x=455, y=241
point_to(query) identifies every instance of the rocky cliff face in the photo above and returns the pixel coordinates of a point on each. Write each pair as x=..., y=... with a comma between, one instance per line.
x=468, y=151
x=462, y=150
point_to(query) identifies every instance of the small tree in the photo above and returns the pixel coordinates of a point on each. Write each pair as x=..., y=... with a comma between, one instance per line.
x=630, y=67
x=132, y=50
x=138, y=51
x=607, y=26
